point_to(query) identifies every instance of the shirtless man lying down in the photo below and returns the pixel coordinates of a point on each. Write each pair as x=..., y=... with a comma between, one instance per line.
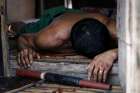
x=91, y=34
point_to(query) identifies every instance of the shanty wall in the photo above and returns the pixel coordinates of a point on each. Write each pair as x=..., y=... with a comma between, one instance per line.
x=18, y=10
x=129, y=46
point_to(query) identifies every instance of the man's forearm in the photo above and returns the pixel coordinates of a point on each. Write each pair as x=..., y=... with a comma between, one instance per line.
x=114, y=53
x=26, y=41
x=26, y=52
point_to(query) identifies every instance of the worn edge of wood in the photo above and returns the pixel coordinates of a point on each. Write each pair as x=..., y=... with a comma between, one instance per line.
x=4, y=40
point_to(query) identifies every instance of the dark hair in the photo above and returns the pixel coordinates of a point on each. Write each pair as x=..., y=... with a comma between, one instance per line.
x=17, y=26
x=90, y=37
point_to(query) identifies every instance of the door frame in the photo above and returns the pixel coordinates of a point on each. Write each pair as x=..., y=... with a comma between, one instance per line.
x=4, y=40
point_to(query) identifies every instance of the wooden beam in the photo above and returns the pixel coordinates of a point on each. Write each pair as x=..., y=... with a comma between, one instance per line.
x=68, y=4
x=4, y=39
x=41, y=7
x=129, y=46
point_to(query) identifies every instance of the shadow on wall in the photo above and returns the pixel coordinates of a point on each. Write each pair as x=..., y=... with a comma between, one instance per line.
x=1, y=64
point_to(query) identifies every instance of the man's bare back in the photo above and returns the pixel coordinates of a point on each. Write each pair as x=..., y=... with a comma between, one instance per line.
x=58, y=33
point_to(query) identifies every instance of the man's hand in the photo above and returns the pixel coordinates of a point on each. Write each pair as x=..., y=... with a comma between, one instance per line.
x=99, y=67
x=25, y=57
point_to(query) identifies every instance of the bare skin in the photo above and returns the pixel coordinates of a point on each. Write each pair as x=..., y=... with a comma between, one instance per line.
x=58, y=33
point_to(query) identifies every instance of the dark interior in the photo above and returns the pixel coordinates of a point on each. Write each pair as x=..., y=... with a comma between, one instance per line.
x=76, y=4
x=1, y=64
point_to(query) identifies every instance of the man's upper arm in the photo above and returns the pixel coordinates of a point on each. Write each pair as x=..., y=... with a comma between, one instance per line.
x=111, y=25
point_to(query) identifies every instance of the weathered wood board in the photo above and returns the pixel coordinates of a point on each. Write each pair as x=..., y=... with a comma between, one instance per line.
x=65, y=62
x=73, y=65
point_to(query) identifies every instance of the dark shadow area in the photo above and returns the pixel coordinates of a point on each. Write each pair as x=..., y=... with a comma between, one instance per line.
x=76, y=4
x=1, y=61
x=7, y=84
x=95, y=3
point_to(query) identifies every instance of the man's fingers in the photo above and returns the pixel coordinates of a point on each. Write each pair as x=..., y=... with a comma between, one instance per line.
x=95, y=73
x=38, y=56
x=18, y=60
x=90, y=69
x=107, y=68
x=20, y=63
x=26, y=57
x=100, y=74
x=105, y=75
x=30, y=56
x=22, y=59
x=27, y=62
x=34, y=53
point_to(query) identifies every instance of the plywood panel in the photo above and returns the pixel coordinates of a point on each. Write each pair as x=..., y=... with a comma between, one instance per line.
x=18, y=10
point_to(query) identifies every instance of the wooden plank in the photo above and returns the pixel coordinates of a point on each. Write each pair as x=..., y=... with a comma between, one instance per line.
x=1, y=60
x=64, y=61
x=21, y=88
x=133, y=51
x=68, y=4
x=55, y=88
x=4, y=40
x=61, y=66
x=41, y=7
x=129, y=46
x=67, y=68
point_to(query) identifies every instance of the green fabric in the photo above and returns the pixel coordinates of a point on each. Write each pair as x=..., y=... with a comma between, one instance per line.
x=45, y=20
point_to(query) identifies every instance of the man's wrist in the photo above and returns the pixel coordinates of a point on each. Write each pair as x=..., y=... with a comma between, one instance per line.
x=114, y=53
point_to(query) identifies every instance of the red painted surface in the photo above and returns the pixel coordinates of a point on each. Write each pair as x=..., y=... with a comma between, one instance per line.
x=90, y=84
x=82, y=83
x=28, y=73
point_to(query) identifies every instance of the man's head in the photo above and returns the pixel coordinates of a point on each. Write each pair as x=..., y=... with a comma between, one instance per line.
x=90, y=37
